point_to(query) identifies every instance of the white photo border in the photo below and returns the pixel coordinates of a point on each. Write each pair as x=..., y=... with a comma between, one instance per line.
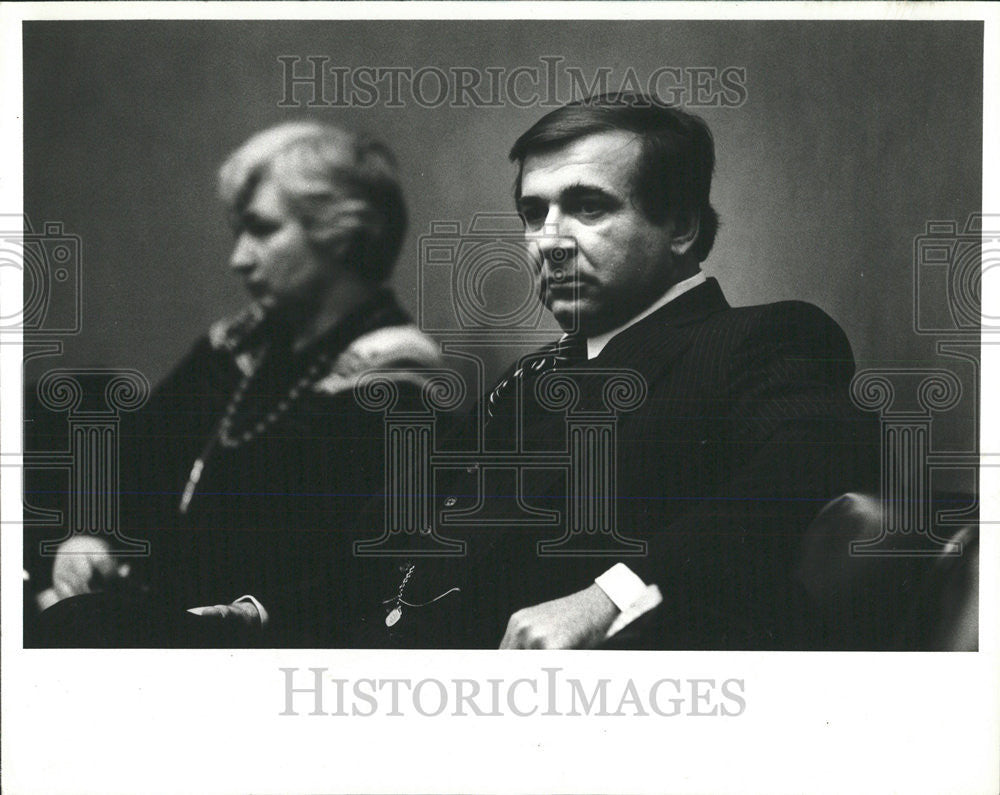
x=209, y=721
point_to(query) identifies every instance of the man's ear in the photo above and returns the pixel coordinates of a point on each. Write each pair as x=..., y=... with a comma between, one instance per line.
x=685, y=232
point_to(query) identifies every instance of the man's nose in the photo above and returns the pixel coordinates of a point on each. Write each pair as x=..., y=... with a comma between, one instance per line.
x=555, y=245
x=242, y=259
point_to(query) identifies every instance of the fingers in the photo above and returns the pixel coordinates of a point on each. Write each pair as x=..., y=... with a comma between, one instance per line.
x=213, y=611
x=67, y=588
x=78, y=574
x=571, y=622
x=523, y=633
x=526, y=641
x=248, y=613
x=46, y=599
x=510, y=637
x=103, y=564
x=81, y=563
x=245, y=614
x=72, y=575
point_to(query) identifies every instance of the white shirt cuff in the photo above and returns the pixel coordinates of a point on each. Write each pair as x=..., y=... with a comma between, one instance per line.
x=651, y=598
x=260, y=608
x=622, y=586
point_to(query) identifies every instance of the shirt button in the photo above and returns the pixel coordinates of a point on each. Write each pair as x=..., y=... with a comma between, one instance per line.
x=450, y=502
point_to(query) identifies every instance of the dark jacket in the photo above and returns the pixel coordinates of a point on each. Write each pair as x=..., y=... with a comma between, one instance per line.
x=746, y=431
x=274, y=517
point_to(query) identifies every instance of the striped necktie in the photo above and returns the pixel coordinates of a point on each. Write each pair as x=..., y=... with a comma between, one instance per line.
x=565, y=353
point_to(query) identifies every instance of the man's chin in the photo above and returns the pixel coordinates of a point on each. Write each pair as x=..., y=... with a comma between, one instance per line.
x=570, y=315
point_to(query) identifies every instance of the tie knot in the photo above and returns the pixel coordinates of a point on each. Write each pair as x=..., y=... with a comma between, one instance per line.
x=571, y=349
x=566, y=352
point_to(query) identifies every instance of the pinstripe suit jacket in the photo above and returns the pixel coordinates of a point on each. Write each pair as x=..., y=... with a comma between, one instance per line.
x=746, y=431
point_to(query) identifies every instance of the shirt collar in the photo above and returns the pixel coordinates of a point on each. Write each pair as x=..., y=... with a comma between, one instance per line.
x=596, y=344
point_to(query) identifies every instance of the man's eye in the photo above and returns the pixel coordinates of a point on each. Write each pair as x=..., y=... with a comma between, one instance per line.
x=590, y=208
x=533, y=217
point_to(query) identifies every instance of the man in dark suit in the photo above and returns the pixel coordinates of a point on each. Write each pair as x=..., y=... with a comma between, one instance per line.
x=746, y=429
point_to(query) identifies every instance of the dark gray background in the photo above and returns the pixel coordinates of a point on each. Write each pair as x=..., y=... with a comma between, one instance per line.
x=853, y=135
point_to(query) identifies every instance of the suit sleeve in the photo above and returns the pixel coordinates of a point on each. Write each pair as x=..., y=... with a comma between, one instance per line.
x=794, y=441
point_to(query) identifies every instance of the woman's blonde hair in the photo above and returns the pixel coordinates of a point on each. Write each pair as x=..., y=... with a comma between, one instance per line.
x=335, y=182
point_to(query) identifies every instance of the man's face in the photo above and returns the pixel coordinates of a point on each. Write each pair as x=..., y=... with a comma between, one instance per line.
x=280, y=268
x=602, y=261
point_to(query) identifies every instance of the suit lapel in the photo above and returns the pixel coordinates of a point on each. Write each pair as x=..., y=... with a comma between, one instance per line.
x=652, y=344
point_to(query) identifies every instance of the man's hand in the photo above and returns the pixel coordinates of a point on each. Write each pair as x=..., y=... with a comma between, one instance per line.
x=243, y=613
x=84, y=564
x=577, y=621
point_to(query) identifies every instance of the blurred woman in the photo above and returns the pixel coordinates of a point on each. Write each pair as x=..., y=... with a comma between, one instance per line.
x=251, y=469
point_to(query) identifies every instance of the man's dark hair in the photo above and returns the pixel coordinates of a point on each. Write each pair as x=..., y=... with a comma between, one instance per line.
x=674, y=172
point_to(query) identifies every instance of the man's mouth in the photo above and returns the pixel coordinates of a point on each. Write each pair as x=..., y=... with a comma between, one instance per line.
x=565, y=284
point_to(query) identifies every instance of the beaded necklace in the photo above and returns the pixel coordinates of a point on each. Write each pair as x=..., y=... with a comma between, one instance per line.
x=223, y=433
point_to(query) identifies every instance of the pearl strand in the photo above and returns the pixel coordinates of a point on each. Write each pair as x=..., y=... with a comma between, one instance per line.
x=225, y=427
x=226, y=439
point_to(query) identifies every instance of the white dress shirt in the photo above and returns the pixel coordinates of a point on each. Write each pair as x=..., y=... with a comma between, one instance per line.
x=596, y=344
